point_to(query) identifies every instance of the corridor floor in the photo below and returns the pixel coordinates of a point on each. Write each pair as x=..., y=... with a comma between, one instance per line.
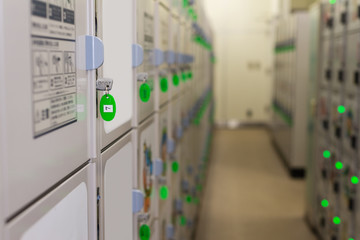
x=249, y=195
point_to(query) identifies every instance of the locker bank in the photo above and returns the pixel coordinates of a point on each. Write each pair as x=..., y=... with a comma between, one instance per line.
x=179, y=119
x=100, y=116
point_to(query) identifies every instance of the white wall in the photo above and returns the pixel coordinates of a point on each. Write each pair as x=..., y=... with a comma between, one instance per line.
x=243, y=35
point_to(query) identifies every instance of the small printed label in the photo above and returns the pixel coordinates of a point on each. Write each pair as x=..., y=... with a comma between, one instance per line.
x=108, y=108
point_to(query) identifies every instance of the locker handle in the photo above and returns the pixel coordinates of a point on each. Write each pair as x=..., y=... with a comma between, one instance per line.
x=356, y=78
x=158, y=167
x=137, y=200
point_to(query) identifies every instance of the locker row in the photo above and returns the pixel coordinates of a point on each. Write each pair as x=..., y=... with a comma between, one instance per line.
x=108, y=130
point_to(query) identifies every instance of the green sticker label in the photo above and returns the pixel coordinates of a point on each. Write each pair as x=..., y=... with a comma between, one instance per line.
x=175, y=166
x=188, y=199
x=144, y=232
x=164, y=84
x=145, y=92
x=107, y=107
x=176, y=80
x=189, y=75
x=164, y=192
x=182, y=220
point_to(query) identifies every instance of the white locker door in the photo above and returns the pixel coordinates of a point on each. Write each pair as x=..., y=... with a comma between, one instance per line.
x=144, y=179
x=116, y=190
x=67, y=212
x=144, y=74
x=46, y=116
x=115, y=30
x=175, y=40
x=353, y=15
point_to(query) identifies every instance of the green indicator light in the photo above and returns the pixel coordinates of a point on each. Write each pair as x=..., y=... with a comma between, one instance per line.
x=176, y=80
x=332, y=1
x=164, y=192
x=145, y=92
x=164, y=85
x=336, y=220
x=144, y=232
x=339, y=165
x=183, y=76
x=341, y=109
x=188, y=199
x=182, y=220
x=326, y=154
x=196, y=201
x=354, y=180
x=189, y=75
x=325, y=203
x=175, y=166
x=351, y=239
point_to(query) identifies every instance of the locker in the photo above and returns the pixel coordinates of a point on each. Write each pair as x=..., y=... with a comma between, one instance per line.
x=340, y=16
x=175, y=33
x=353, y=15
x=144, y=71
x=338, y=68
x=66, y=212
x=323, y=112
x=327, y=19
x=351, y=124
x=115, y=29
x=333, y=214
x=348, y=197
x=116, y=190
x=55, y=103
x=164, y=73
x=352, y=63
x=334, y=187
x=144, y=178
x=336, y=120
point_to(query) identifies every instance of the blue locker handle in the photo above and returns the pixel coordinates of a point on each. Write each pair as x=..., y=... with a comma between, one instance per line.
x=179, y=205
x=170, y=57
x=158, y=57
x=94, y=49
x=170, y=231
x=170, y=146
x=137, y=200
x=158, y=167
x=179, y=132
x=137, y=54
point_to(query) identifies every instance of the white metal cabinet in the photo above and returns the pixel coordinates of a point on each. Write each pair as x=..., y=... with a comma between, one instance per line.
x=46, y=120
x=67, y=212
x=115, y=29
x=116, y=190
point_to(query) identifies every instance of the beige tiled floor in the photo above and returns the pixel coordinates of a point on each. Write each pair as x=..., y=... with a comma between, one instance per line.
x=249, y=195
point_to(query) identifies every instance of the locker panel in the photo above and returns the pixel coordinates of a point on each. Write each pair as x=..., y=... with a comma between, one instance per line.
x=338, y=67
x=175, y=40
x=334, y=186
x=327, y=19
x=352, y=63
x=52, y=103
x=145, y=29
x=323, y=112
x=340, y=17
x=351, y=124
x=353, y=15
x=67, y=212
x=336, y=118
x=145, y=176
x=116, y=190
x=115, y=29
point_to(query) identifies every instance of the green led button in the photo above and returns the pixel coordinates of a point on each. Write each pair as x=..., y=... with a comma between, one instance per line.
x=332, y=1
x=336, y=220
x=145, y=92
x=183, y=76
x=175, y=166
x=326, y=154
x=182, y=220
x=164, y=192
x=339, y=165
x=176, y=80
x=107, y=107
x=144, y=232
x=341, y=109
x=325, y=203
x=164, y=84
x=354, y=180
x=188, y=199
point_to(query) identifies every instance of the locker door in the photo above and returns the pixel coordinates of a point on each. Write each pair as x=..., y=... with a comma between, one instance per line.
x=175, y=39
x=46, y=120
x=327, y=74
x=336, y=118
x=353, y=15
x=327, y=18
x=115, y=29
x=323, y=112
x=340, y=16
x=67, y=212
x=338, y=64
x=144, y=179
x=116, y=190
x=144, y=74
x=164, y=73
x=352, y=63
x=351, y=124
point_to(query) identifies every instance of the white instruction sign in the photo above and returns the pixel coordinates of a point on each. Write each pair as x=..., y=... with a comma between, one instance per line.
x=53, y=64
